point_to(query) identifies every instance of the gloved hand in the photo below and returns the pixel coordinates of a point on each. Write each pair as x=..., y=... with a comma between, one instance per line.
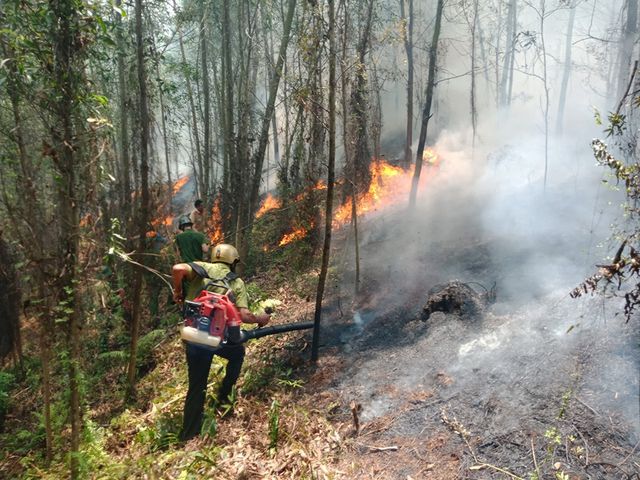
x=263, y=319
x=178, y=297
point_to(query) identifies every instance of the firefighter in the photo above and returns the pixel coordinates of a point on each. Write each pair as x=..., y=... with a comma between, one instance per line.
x=224, y=259
x=197, y=216
x=192, y=245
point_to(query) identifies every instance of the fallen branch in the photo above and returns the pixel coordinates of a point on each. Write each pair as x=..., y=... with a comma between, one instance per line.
x=587, y=406
x=498, y=469
x=586, y=446
x=607, y=464
x=373, y=448
x=535, y=461
x=458, y=427
x=355, y=410
x=629, y=456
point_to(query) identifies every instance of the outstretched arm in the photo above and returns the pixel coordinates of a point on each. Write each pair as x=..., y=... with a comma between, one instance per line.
x=248, y=317
x=179, y=273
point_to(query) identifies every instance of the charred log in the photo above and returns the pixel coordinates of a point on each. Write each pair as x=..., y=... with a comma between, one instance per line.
x=458, y=298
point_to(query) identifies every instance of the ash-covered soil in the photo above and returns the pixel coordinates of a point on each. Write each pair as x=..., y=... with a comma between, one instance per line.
x=536, y=384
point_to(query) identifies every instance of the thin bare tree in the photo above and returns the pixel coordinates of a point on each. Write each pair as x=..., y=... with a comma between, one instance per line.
x=426, y=111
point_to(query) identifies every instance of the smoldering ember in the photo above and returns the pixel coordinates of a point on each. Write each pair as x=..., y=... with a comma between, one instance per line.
x=323, y=239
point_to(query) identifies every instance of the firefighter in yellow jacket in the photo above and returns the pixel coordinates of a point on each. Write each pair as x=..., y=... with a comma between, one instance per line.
x=224, y=259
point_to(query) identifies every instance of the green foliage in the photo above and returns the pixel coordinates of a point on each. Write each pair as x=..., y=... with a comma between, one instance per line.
x=7, y=382
x=161, y=435
x=204, y=458
x=553, y=435
x=274, y=424
x=146, y=345
x=566, y=397
x=108, y=360
x=616, y=124
x=256, y=294
x=622, y=274
x=115, y=241
x=209, y=424
x=272, y=371
x=93, y=456
x=170, y=320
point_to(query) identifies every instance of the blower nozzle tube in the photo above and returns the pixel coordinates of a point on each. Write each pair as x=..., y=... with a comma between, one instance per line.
x=275, y=329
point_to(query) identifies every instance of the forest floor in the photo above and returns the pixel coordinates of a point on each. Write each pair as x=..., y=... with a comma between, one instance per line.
x=532, y=387
x=535, y=386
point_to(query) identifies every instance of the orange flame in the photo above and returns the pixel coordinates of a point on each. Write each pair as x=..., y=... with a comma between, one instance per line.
x=430, y=157
x=215, y=223
x=269, y=203
x=296, y=234
x=390, y=185
x=318, y=186
x=181, y=182
x=167, y=221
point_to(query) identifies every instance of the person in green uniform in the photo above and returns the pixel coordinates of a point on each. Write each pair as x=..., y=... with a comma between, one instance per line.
x=192, y=245
x=187, y=283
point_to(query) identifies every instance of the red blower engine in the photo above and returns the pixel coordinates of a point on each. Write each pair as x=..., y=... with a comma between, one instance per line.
x=211, y=317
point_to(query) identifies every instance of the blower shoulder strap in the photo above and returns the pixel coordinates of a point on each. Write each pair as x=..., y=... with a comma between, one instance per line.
x=199, y=269
x=201, y=272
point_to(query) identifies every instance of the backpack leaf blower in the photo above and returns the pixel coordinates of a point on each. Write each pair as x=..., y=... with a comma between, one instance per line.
x=212, y=321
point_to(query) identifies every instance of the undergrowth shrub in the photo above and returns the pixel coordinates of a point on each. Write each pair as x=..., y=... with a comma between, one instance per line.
x=147, y=344
x=7, y=382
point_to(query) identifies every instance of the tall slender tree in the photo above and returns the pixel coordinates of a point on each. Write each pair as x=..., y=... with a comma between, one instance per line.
x=408, y=47
x=426, y=111
x=143, y=216
x=328, y=214
x=567, y=67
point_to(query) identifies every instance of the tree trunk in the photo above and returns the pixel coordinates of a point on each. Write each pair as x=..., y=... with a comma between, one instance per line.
x=144, y=207
x=205, y=181
x=376, y=111
x=163, y=123
x=228, y=204
x=268, y=52
x=192, y=107
x=67, y=75
x=408, y=47
x=30, y=199
x=361, y=158
x=567, y=69
x=483, y=53
x=545, y=82
x=46, y=328
x=326, y=248
x=426, y=111
x=507, y=67
x=125, y=159
x=258, y=157
x=474, y=108
x=629, y=38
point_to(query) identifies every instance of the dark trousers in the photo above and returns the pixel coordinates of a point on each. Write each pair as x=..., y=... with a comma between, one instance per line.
x=199, y=363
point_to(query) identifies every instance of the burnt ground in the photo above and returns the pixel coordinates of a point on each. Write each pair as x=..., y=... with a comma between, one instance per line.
x=536, y=384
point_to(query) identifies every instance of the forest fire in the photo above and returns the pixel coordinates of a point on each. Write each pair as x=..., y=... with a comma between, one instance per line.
x=181, y=182
x=390, y=185
x=296, y=234
x=214, y=227
x=166, y=221
x=269, y=203
x=318, y=186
